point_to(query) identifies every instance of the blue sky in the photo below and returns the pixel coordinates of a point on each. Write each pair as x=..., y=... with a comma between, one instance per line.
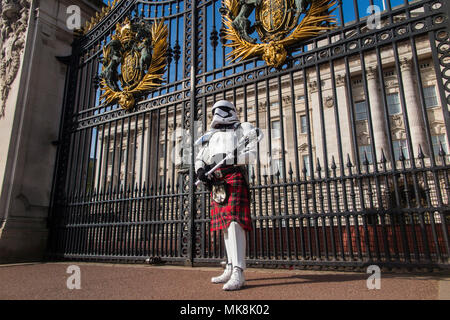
x=349, y=14
x=348, y=7
x=163, y=10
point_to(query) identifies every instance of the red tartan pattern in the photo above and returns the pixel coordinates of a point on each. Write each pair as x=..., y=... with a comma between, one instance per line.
x=237, y=206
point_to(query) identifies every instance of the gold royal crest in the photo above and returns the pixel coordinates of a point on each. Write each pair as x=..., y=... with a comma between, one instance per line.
x=139, y=51
x=277, y=25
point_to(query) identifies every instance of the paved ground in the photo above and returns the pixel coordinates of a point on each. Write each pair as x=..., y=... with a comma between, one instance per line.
x=122, y=282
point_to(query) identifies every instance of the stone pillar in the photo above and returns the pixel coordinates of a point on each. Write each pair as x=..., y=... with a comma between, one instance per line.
x=98, y=165
x=413, y=110
x=32, y=79
x=343, y=111
x=135, y=155
x=314, y=106
x=289, y=133
x=377, y=113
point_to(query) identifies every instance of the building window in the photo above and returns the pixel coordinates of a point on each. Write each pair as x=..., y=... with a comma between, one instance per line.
x=275, y=128
x=274, y=104
x=437, y=141
x=301, y=98
x=306, y=165
x=430, y=97
x=368, y=151
x=393, y=102
x=303, y=124
x=278, y=168
x=400, y=146
x=251, y=170
x=361, y=110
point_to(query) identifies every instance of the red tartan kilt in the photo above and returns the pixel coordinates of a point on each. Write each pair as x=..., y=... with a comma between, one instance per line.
x=237, y=206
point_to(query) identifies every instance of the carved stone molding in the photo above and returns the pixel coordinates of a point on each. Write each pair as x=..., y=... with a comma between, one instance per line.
x=362, y=126
x=13, y=26
x=340, y=80
x=390, y=84
x=397, y=122
x=261, y=106
x=399, y=133
x=303, y=147
x=329, y=102
x=363, y=138
x=313, y=86
x=437, y=127
x=405, y=64
x=372, y=73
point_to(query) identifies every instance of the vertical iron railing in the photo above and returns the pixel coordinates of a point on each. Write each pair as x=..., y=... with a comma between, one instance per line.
x=353, y=169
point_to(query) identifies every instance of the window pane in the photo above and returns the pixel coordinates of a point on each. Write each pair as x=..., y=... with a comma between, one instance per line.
x=393, y=104
x=304, y=125
x=400, y=145
x=437, y=141
x=368, y=152
x=251, y=168
x=430, y=96
x=275, y=129
x=306, y=164
x=361, y=110
x=278, y=169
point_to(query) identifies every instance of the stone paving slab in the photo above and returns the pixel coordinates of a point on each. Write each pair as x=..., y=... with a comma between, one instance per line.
x=48, y=281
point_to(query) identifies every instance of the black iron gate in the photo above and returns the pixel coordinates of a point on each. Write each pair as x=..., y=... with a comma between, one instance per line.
x=353, y=169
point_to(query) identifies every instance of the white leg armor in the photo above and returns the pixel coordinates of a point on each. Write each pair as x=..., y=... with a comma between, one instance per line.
x=226, y=275
x=235, y=245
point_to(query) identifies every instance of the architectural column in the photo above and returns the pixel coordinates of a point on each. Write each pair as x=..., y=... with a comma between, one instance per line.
x=288, y=130
x=413, y=110
x=33, y=34
x=377, y=112
x=138, y=160
x=343, y=111
x=98, y=164
x=314, y=106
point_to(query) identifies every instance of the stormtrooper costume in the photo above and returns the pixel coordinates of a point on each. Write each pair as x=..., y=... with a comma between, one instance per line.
x=230, y=205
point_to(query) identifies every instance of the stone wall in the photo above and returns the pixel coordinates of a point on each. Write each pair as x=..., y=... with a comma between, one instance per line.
x=33, y=35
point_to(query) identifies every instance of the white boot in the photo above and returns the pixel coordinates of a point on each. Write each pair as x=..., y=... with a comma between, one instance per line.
x=236, y=281
x=225, y=276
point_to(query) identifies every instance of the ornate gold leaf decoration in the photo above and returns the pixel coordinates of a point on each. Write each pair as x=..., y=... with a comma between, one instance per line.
x=129, y=49
x=274, y=48
x=90, y=24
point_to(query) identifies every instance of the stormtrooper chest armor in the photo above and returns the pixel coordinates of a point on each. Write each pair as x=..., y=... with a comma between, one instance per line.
x=220, y=144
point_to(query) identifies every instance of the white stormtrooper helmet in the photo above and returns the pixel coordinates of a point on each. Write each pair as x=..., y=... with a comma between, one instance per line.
x=224, y=113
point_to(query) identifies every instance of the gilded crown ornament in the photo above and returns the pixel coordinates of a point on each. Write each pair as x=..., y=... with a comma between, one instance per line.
x=279, y=24
x=134, y=61
x=90, y=24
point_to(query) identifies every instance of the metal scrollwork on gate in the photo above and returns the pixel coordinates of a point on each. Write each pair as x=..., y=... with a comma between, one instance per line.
x=139, y=50
x=278, y=24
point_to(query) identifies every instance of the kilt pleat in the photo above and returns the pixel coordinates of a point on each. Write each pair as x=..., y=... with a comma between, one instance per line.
x=236, y=207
